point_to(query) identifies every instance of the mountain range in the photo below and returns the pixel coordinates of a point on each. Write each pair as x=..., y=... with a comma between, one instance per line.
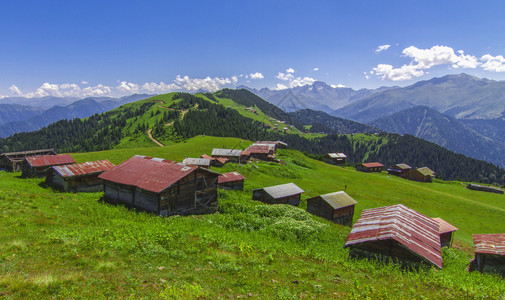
x=463, y=113
x=16, y=118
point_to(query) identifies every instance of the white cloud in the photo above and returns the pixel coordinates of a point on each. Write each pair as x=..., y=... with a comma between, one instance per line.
x=493, y=63
x=315, y=69
x=337, y=86
x=293, y=81
x=285, y=76
x=424, y=59
x=15, y=90
x=96, y=91
x=405, y=72
x=195, y=84
x=256, y=75
x=128, y=87
x=280, y=86
x=159, y=88
x=84, y=82
x=382, y=48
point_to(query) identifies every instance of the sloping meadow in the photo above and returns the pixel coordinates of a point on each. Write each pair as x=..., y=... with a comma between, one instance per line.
x=66, y=245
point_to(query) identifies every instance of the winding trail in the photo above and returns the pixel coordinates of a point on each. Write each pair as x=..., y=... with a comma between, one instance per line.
x=183, y=113
x=153, y=139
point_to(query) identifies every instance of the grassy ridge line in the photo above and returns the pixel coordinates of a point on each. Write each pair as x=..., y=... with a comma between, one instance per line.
x=472, y=212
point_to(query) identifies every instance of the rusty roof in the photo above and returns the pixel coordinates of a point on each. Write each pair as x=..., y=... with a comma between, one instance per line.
x=445, y=226
x=489, y=243
x=148, y=173
x=372, y=165
x=231, y=176
x=50, y=160
x=258, y=149
x=86, y=168
x=415, y=231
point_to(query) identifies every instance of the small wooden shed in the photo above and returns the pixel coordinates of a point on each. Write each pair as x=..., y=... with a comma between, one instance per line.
x=215, y=162
x=446, y=232
x=231, y=181
x=278, y=144
x=260, y=151
x=370, y=167
x=423, y=174
x=400, y=170
x=233, y=155
x=197, y=162
x=81, y=177
x=161, y=186
x=396, y=232
x=337, y=207
x=288, y=193
x=335, y=158
x=39, y=166
x=489, y=253
x=13, y=161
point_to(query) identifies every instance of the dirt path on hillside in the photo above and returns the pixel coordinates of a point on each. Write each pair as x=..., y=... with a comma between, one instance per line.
x=153, y=139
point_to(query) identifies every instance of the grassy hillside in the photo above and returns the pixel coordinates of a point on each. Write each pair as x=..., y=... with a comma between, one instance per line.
x=175, y=117
x=65, y=245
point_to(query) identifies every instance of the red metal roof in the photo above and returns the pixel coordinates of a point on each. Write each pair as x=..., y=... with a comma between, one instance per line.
x=50, y=160
x=207, y=157
x=228, y=177
x=445, y=226
x=147, y=173
x=372, y=165
x=258, y=149
x=413, y=230
x=489, y=243
x=90, y=167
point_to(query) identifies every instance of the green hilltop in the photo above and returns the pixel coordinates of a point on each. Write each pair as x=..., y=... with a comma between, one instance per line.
x=66, y=245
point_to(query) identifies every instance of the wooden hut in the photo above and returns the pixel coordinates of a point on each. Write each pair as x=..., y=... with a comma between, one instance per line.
x=161, y=186
x=232, y=155
x=215, y=162
x=370, y=167
x=39, y=166
x=489, y=253
x=13, y=161
x=231, y=181
x=446, y=232
x=396, y=232
x=278, y=144
x=400, y=170
x=423, y=174
x=335, y=158
x=288, y=193
x=260, y=151
x=484, y=188
x=81, y=177
x=337, y=207
x=197, y=162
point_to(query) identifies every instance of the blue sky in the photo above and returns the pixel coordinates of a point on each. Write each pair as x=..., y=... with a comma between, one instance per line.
x=111, y=48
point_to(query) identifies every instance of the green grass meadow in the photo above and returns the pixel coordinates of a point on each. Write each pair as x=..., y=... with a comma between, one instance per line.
x=66, y=245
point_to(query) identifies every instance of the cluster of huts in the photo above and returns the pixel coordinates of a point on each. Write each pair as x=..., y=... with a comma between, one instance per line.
x=423, y=174
x=166, y=187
